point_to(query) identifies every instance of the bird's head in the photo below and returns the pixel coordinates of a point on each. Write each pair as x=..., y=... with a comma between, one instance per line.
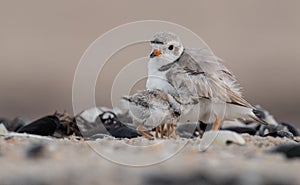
x=166, y=45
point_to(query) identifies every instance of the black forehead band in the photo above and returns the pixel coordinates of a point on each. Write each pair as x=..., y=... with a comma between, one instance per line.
x=156, y=42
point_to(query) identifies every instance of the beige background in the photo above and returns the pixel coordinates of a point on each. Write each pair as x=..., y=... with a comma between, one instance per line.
x=41, y=43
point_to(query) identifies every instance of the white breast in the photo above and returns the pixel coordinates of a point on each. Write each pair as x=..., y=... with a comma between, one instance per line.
x=157, y=79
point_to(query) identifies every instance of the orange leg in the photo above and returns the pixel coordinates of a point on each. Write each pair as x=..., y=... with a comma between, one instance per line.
x=162, y=126
x=144, y=133
x=156, y=132
x=216, y=125
x=168, y=130
x=173, y=131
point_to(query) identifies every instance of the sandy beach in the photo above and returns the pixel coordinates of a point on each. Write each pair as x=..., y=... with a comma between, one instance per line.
x=45, y=160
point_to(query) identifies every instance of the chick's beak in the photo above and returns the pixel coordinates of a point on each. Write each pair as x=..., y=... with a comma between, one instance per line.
x=155, y=53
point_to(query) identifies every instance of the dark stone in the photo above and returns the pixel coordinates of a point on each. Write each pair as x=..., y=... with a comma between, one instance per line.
x=280, y=133
x=167, y=179
x=13, y=125
x=35, y=150
x=6, y=122
x=265, y=129
x=7, y=138
x=280, y=130
x=289, y=150
x=241, y=130
x=214, y=178
x=291, y=128
x=123, y=132
x=45, y=126
x=115, y=127
x=16, y=124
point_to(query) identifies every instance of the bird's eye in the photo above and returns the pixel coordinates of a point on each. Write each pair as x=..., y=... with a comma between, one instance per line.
x=171, y=47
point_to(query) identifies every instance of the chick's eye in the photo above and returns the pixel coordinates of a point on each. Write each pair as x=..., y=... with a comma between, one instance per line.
x=171, y=47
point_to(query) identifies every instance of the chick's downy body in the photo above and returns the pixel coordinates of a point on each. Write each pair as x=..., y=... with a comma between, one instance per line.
x=152, y=108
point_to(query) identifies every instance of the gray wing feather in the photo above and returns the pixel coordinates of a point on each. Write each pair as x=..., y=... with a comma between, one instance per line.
x=199, y=73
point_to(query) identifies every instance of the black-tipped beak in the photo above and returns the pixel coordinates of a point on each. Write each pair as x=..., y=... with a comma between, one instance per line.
x=155, y=53
x=152, y=55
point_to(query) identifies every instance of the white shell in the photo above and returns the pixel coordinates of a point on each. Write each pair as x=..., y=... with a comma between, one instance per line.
x=91, y=114
x=220, y=138
x=3, y=129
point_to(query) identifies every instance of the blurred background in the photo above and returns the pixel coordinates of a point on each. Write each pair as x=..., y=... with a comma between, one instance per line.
x=41, y=43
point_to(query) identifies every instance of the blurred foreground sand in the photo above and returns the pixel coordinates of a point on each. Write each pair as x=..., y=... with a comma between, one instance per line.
x=64, y=161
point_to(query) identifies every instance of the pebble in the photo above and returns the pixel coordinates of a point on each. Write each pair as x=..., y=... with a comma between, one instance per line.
x=291, y=128
x=3, y=130
x=35, y=150
x=221, y=138
x=290, y=150
x=44, y=126
x=115, y=127
x=213, y=178
x=13, y=125
x=16, y=124
x=280, y=133
x=241, y=130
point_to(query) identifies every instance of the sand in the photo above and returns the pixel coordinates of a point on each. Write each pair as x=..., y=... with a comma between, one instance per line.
x=46, y=160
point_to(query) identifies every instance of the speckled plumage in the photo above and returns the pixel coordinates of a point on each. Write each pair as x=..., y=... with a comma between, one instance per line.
x=151, y=108
x=196, y=74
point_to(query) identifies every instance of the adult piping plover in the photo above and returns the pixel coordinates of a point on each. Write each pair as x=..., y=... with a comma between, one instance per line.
x=196, y=74
x=151, y=109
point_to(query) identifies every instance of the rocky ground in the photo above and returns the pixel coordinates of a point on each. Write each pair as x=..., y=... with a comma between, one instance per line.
x=35, y=160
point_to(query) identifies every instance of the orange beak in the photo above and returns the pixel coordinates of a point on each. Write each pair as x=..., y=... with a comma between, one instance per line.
x=155, y=53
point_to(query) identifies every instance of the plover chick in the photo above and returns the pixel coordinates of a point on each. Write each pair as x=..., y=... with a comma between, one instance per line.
x=151, y=109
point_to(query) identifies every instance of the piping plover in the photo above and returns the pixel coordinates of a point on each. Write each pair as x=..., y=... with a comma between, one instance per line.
x=151, y=109
x=196, y=74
